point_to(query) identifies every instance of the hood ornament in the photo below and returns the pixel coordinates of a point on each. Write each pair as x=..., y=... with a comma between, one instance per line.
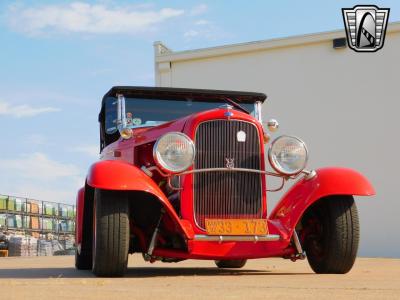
x=228, y=107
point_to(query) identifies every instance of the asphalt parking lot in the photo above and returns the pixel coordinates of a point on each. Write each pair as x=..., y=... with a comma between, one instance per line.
x=56, y=278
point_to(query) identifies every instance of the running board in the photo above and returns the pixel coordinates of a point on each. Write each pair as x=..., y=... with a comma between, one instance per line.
x=237, y=238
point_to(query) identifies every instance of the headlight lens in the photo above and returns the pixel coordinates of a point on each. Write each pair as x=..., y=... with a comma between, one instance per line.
x=174, y=152
x=288, y=155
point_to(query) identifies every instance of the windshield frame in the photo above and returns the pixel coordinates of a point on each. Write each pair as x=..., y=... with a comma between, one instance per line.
x=174, y=93
x=192, y=106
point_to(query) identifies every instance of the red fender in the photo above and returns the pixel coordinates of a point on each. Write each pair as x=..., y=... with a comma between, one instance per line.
x=328, y=181
x=119, y=175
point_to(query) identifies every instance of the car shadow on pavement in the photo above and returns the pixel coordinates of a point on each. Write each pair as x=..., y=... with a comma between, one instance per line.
x=43, y=273
x=140, y=272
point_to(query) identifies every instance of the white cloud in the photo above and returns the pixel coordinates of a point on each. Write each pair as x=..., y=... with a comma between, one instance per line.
x=24, y=110
x=39, y=167
x=90, y=150
x=198, y=10
x=202, y=22
x=191, y=33
x=79, y=17
x=37, y=176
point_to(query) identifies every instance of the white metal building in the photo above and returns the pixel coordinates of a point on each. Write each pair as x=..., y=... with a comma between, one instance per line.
x=344, y=104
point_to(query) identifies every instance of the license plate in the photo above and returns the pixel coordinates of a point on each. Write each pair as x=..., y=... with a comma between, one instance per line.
x=236, y=227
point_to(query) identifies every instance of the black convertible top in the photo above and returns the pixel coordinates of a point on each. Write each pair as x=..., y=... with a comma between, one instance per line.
x=183, y=93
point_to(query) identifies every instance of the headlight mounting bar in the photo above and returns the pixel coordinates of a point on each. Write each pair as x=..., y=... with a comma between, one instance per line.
x=283, y=176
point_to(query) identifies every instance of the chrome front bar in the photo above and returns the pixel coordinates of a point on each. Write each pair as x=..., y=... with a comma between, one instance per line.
x=237, y=238
x=154, y=168
x=309, y=174
x=230, y=170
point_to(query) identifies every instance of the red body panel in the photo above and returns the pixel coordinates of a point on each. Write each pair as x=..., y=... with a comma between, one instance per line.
x=285, y=216
x=116, y=171
x=187, y=181
x=328, y=181
x=122, y=176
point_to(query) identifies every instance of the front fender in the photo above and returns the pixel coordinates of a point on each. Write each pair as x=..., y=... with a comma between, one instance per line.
x=327, y=182
x=121, y=176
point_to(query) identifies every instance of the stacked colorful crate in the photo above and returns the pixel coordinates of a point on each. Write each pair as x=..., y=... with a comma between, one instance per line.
x=27, y=222
x=34, y=205
x=47, y=224
x=26, y=207
x=62, y=226
x=19, y=204
x=11, y=222
x=3, y=202
x=71, y=212
x=34, y=224
x=63, y=211
x=49, y=209
x=3, y=220
x=18, y=221
x=71, y=226
x=11, y=203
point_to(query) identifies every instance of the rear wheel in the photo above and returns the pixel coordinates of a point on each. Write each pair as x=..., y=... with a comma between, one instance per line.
x=83, y=261
x=331, y=234
x=84, y=251
x=231, y=263
x=111, y=233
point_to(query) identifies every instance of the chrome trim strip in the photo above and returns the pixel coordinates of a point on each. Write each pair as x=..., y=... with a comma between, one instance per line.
x=155, y=168
x=237, y=238
x=258, y=109
x=230, y=170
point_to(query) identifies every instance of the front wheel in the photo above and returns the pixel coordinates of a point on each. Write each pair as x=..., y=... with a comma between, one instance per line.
x=231, y=264
x=331, y=234
x=111, y=233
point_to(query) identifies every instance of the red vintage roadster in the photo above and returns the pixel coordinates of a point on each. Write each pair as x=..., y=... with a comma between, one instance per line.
x=182, y=175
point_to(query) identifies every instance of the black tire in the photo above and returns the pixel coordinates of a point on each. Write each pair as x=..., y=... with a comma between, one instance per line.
x=111, y=233
x=231, y=263
x=331, y=235
x=83, y=261
x=84, y=251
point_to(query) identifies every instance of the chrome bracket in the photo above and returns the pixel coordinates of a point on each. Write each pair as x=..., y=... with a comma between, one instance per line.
x=153, y=240
x=300, y=252
x=309, y=174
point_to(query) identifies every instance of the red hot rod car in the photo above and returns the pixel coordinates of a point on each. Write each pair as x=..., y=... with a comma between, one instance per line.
x=182, y=175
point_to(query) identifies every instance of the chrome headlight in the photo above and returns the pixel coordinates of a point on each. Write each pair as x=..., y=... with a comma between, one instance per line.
x=288, y=155
x=174, y=152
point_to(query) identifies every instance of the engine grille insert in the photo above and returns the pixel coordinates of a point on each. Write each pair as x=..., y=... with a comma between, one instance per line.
x=227, y=195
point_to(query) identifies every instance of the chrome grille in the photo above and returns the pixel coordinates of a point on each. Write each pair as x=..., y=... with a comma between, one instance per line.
x=227, y=195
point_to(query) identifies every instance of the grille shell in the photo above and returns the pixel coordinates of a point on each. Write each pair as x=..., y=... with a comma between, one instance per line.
x=227, y=195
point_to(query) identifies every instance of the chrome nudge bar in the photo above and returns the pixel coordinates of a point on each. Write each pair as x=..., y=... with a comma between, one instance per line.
x=149, y=170
x=230, y=170
x=237, y=238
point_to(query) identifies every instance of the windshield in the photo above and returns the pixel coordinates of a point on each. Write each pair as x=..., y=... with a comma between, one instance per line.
x=142, y=112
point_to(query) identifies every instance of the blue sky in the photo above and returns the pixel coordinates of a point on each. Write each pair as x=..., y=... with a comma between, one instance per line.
x=58, y=58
